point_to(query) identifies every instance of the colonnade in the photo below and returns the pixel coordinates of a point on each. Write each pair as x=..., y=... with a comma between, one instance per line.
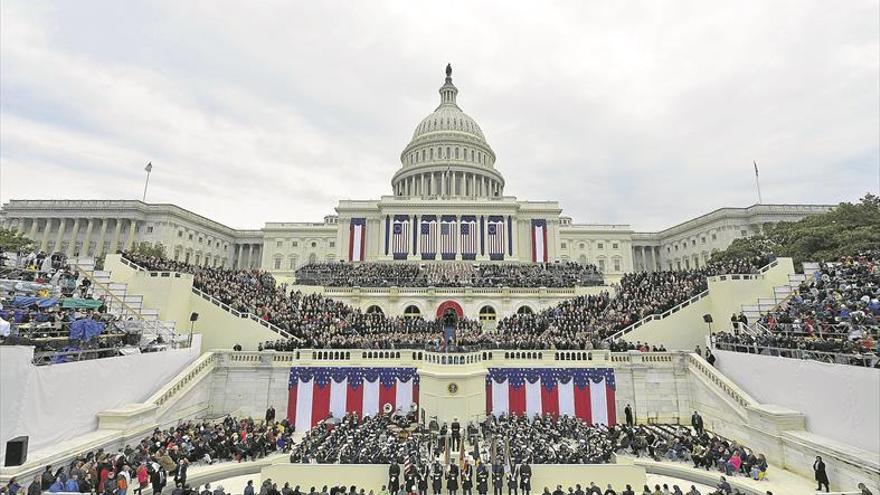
x=646, y=258
x=247, y=255
x=452, y=183
x=74, y=236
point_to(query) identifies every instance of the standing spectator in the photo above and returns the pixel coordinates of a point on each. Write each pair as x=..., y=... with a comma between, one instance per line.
x=249, y=488
x=697, y=423
x=820, y=474
x=628, y=412
x=270, y=414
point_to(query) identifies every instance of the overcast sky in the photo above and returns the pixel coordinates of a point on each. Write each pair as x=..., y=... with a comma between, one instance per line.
x=640, y=113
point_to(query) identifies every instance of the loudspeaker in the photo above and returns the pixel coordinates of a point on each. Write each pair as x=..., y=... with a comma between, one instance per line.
x=194, y=317
x=707, y=318
x=16, y=451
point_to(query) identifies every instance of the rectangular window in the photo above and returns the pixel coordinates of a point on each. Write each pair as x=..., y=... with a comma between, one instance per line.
x=332, y=243
x=179, y=233
x=702, y=240
x=150, y=229
x=714, y=237
x=616, y=265
x=614, y=246
x=277, y=263
x=295, y=244
x=279, y=243
x=601, y=245
x=693, y=242
x=563, y=245
x=602, y=265
x=190, y=237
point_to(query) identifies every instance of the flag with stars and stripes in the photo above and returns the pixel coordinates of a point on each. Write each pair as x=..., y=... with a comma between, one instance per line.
x=428, y=237
x=586, y=393
x=469, y=237
x=400, y=237
x=317, y=393
x=495, y=237
x=447, y=237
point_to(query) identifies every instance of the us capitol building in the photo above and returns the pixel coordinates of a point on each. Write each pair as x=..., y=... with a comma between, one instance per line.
x=448, y=203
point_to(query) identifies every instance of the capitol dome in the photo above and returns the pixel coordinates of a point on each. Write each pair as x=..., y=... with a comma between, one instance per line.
x=448, y=156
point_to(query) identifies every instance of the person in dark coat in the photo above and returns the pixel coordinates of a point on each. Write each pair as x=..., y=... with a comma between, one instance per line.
x=424, y=472
x=394, y=478
x=456, y=434
x=497, y=479
x=628, y=412
x=158, y=478
x=513, y=481
x=437, y=477
x=525, y=478
x=482, y=480
x=467, y=478
x=452, y=479
x=820, y=474
x=697, y=423
x=270, y=414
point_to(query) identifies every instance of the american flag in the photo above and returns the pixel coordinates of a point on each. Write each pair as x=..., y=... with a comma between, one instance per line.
x=586, y=393
x=496, y=237
x=447, y=237
x=428, y=237
x=315, y=393
x=469, y=237
x=400, y=237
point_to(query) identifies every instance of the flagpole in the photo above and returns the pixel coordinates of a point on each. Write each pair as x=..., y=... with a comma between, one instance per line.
x=148, y=168
x=758, y=182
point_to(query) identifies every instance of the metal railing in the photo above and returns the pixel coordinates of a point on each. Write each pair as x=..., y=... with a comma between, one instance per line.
x=866, y=360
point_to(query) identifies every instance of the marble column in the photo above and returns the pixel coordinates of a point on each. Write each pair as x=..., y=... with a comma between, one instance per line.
x=114, y=241
x=44, y=240
x=249, y=252
x=87, y=240
x=132, y=226
x=71, y=246
x=33, y=234
x=62, y=224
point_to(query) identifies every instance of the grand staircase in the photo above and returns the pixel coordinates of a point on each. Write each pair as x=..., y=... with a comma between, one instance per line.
x=781, y=294
x=129, y=307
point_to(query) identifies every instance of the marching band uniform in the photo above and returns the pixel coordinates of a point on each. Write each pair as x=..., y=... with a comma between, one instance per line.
x=525, y=478
x=437, y=478
x=424, y=472
x=497, y=479
x=482, y=480
x=394, y=478
x=467, y=478
x=452, y=479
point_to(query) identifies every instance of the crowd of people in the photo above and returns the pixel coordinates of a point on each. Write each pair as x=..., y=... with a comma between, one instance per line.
x=833, y=316
x=449, y=274
x=45, y=304
x=163, y=458
x=584, y=322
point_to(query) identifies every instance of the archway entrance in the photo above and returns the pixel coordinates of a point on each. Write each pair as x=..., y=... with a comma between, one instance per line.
x=487, y=314
x=454, y=306
x=411, y=311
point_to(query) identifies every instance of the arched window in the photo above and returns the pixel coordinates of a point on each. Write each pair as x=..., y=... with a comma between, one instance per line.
x=374, y=309
x=472, y=155
x=524, y=310
x=411, y=311
x=456, y=153
x=432, y=153
x=313, y=258
x=487, y=313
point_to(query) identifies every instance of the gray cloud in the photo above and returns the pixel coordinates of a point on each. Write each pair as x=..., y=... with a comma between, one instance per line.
x=639, y=113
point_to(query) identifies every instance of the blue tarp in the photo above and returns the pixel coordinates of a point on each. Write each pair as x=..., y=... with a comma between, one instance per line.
x=25, y=301
x=85, y=329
